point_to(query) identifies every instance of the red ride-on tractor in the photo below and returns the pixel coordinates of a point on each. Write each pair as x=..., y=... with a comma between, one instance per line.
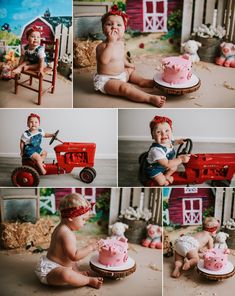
x=68, y=154
x=216, y=167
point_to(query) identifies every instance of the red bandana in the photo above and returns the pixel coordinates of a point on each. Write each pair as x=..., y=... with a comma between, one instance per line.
x=74, y=212
x=160, y=119
x=211, y=229
x=115, y=11
x=33, y=115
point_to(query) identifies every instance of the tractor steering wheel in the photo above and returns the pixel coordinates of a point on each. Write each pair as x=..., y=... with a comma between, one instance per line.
x=185, y=148
x=54, y=137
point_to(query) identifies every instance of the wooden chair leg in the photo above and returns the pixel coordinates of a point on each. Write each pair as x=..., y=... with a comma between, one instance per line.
x=30, y=80
x=16, y=83
x=53, y=83
x=40, y=89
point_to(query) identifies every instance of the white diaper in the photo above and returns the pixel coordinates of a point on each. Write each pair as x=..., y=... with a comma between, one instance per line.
x=43, y=267
x=100, y=80
x=184, y=244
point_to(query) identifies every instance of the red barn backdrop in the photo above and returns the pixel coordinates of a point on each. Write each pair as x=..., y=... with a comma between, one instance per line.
x=150, y=15
x=186, y=205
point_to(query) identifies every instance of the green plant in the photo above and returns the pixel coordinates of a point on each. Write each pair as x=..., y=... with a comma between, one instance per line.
x=174, y=25
x=121, y=5
x=102, y=207
x=209, y=212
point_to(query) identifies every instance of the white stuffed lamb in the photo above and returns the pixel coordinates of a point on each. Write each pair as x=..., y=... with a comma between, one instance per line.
x=190, y=50
x=118, y=229
x=220, y=240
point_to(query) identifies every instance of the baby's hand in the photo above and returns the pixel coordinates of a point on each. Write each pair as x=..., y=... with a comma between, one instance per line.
x=132, y=66
x=41, y=72
x=112, y=36
x=185, y=158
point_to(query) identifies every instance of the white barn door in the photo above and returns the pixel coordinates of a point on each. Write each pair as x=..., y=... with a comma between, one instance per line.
x=192, y=211
x=155, y=15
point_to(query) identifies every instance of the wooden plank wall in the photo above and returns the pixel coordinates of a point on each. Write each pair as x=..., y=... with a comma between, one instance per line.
x=224, y=204
x=197, y=12
x=122, y=198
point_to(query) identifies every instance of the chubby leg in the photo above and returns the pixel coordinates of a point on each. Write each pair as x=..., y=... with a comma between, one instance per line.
x=178, y=265
x=38, y=159
x=19, y=68
x=67, y=276
x=169, y=173
x=34, y=67
x=135, y=78
x=191, y=260
x=124, y=89
x=43, y=155
x=161, y=180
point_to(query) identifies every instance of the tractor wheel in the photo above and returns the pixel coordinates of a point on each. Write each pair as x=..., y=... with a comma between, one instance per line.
x=87, y=175
x=25, y=176
x=94, y=171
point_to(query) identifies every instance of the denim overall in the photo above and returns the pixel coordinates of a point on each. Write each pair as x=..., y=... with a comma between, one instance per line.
x=32, y=58
x=34, y=145
x=155, y=168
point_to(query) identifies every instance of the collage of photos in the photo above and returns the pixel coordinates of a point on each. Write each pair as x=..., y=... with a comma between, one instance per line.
x=117, y=147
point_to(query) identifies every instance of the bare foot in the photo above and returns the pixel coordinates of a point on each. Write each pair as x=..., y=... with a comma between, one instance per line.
x=17, y=70
x=157, y=101
x=95, y=282
x=186, y=265
x=176, y=272
x=170, y=179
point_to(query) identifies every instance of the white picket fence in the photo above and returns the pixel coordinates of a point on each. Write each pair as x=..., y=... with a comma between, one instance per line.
x=65, y=37
x=215, y=12
x=122, y=198
x=224, y=204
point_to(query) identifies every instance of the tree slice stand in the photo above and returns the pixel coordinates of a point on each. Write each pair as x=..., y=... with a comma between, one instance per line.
x=114, y=272
x=220, y=275
x=177, y=89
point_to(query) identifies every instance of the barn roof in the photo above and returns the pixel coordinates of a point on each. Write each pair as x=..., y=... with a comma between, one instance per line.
x=54, y=21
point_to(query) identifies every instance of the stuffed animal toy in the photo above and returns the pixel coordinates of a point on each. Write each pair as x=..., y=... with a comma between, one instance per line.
x=190, y=50
x=227, y=57
x=220, y=240
x=154, y=235
x=118, y=229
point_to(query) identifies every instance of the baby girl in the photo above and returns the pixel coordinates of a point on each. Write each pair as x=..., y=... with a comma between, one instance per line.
x=113, y=70
x=162, y=163
x=187, y=247
x=59, y=266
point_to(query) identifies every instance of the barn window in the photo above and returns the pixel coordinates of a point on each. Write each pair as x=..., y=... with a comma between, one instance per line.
x=155, y=15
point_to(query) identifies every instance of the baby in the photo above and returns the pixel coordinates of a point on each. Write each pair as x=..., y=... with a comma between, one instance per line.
x=162, y=163
x=31, y=140
x=187, y=247
x=59, y=266
x=33, y=55
x=113, y=69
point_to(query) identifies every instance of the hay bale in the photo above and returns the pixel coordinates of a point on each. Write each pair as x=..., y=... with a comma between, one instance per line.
x=18, y=235
x=84, y=53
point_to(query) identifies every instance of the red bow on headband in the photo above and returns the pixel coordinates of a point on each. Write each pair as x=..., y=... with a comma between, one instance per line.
x=36, y=28
x=115, y=11
x=74, y=212
x=34, y=115
x=160, y=119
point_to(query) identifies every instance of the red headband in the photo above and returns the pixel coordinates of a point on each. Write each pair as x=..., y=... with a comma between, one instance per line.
x=211, y=229
x=160, y=119
x=74, y=212
x=33, y=115
x=115, y=11
x=33, y=29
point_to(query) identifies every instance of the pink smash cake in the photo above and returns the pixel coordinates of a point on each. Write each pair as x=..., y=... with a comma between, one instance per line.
x=176, y=70
x=113, y=252
x=215, y=259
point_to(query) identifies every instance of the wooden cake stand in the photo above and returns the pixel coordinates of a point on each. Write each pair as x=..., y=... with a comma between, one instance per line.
x=114, y=272
x=177, y=89
x=220, y=275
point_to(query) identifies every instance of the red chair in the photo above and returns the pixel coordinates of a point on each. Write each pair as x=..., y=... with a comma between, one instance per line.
x=51, y=50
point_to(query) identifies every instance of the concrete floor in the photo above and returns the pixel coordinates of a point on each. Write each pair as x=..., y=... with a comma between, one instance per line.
x=213, y=93
x=17, y=276
x=62, y=98
x=129, y=152
x=106, y=174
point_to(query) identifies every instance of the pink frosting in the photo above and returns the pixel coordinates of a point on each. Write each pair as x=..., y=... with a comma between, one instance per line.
x=176, y=70
x=215, y=259
x=113, y=252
